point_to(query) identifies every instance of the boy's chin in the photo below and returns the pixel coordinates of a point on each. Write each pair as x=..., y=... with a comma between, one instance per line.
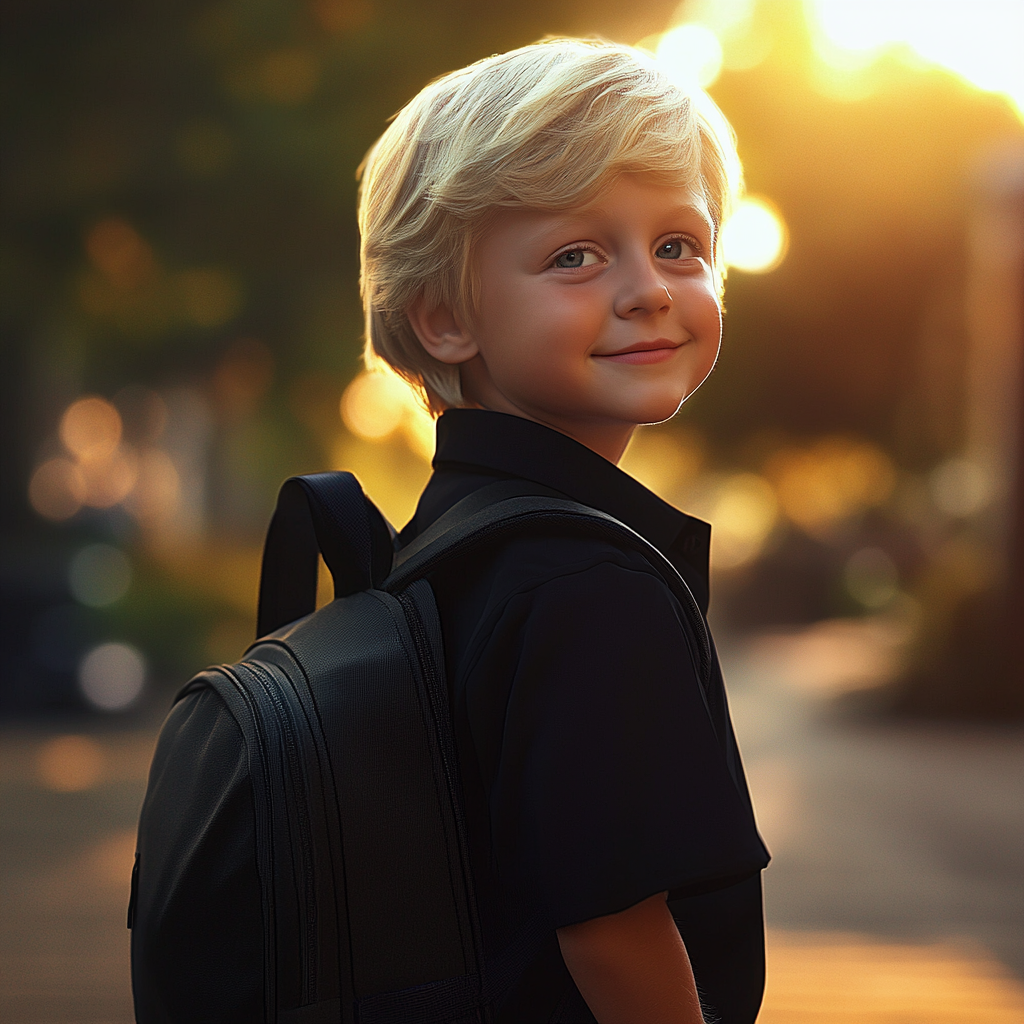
x=657, y=411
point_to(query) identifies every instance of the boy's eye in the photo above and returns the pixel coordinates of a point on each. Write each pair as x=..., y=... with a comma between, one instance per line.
x=575, y=258
x=677, y=249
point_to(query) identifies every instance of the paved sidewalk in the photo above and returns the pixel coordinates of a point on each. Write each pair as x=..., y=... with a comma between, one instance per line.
x=68, y=811
x=896, y=894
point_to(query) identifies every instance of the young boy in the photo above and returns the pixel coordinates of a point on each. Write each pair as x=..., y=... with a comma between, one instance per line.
x=540, y=256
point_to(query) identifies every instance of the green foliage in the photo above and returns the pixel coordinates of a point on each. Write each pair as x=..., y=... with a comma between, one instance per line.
x=223, y=140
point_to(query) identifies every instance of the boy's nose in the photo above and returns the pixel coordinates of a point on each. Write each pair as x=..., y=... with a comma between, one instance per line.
x=643, y=294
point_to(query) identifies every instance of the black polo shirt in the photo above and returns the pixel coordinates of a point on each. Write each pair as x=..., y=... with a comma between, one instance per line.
x=595, y=773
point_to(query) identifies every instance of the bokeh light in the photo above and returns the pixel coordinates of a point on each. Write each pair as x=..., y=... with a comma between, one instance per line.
x=112, y=676
x=378, y=403
x=103, y=471
x=99, y=575
x=91, y=431
x=754, y=238
x=91, y=428
x=109, y=481
x=871, y=578
x=691, y=55
x=70, y=764
x=120, y=253
x=744, y=513
x=373, y=405
x=420, y=431
x=195, y=250
x=981, y=41
x=157, y=489
x=833, y=480
x=961, y=487
x=57, y=489
x=666, y=462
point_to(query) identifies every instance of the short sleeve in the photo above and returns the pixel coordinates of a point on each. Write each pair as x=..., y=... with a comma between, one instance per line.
x=609, y=784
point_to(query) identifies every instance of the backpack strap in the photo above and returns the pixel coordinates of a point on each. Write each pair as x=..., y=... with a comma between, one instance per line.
x=516, y=506
x=328, y=514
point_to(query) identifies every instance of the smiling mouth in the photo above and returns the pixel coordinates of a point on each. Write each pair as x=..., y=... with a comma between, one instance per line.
x=644, y=352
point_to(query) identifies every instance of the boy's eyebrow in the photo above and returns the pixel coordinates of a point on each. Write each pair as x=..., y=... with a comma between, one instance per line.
x=569, y=219
x=699, y=211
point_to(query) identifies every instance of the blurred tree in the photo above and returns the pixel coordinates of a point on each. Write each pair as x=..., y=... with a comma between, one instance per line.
x=178, y=209
x=181, y=174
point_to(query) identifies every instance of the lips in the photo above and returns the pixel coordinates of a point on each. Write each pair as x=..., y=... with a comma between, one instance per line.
x=644, y=352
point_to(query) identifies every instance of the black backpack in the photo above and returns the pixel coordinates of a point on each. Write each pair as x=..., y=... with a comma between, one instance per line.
x=359, y=840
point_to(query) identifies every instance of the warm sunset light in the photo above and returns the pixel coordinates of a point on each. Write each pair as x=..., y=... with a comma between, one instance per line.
x=373, y=405
x=379, y=403
x=744, y=512
x=836, y=478
x=981, y=41
x=754, y=238
x=691, y=54
x=198, y=209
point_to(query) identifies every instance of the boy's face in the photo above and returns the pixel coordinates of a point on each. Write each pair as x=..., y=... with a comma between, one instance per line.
x=598, y=319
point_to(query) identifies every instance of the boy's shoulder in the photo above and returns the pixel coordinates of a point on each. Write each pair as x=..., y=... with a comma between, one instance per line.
x=545, y=555
x=578, y=591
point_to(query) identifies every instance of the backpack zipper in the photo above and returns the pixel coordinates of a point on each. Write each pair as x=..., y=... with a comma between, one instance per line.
x=308, y=924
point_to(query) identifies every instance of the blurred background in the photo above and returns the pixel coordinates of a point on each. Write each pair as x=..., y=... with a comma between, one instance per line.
x=181, y=331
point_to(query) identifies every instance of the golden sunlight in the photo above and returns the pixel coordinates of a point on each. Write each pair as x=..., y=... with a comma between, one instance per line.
x=836, y=978
x=836, y=478
x=691, y=55
x=754, y=238
x=980, y=41
x=373, y=405
x=378, y=403
x=745, y=512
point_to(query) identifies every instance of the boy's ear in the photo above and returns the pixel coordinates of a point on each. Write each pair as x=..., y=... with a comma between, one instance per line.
x=441, y=331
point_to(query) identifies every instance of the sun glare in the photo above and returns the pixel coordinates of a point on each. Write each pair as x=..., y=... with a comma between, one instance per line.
x=981, y=41
x=754, y=238
x=377, y=404
x=691, y=55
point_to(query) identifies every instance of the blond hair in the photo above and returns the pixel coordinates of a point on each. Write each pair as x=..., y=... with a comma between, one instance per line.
x=549, y=126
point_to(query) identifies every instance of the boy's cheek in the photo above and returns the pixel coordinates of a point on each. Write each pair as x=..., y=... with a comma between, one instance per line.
x=702, y=315
x=700, y=295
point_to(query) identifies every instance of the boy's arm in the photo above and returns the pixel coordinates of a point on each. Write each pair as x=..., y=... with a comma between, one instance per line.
x=632, y=966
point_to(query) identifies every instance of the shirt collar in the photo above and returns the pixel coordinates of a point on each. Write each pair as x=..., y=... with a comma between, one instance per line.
x=488, y=442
